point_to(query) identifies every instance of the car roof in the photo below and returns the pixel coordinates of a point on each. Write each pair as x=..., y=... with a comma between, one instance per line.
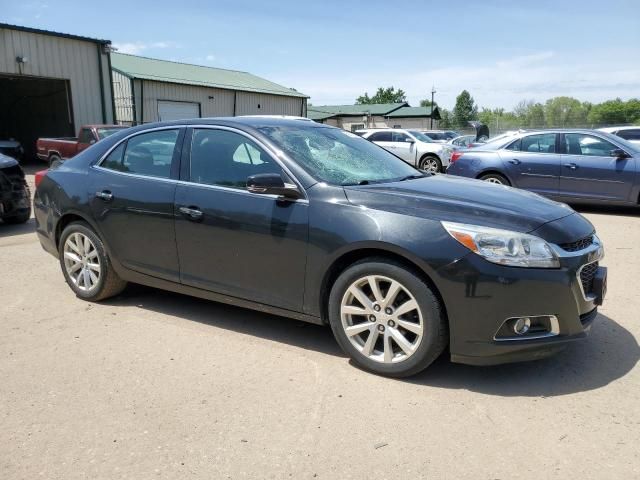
x=618, y=129
x=251, y=121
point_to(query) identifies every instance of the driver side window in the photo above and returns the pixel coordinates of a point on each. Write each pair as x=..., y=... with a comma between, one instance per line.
x=224, y=158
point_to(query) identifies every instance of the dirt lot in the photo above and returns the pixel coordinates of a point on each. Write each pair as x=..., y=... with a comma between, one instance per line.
x=158, y=385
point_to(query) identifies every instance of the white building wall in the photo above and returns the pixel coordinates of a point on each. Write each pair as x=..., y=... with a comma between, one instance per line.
x=77, y=61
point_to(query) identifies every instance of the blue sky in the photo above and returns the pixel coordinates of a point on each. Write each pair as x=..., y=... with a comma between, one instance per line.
x=501, y=51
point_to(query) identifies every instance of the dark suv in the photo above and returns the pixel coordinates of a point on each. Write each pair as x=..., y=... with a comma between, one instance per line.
x=15, y=199
x=312, y=222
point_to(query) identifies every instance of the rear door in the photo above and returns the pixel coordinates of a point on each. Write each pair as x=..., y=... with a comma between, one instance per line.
x=134, y=189
x=404, y=146
x=532, y=163
x=229, y=240
x=590, y=172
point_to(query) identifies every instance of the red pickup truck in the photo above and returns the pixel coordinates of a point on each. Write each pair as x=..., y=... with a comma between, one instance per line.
x=55, y=149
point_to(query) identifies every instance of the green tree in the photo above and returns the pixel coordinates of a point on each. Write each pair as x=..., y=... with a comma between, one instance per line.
x=465, y=109
x=446, y=120
x=615, y=111
x=535, y=116
x=383, y=95
x=565, y=112
x=427, y=103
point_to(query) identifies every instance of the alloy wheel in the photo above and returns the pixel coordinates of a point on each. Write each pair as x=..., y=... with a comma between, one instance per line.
x=82, y=262
x=381, y=319
x=430, y=165
x=494, y=180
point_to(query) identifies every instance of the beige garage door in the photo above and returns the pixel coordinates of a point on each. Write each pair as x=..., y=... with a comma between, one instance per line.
x=168, y=110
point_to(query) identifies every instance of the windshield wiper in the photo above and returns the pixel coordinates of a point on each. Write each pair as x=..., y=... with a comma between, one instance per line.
x=411, y=177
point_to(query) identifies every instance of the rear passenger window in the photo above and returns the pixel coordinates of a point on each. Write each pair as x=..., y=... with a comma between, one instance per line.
x=148, y=154
x=629, y=134
x=545, y=143
x=380, y=137
x=514, y=146
x=220, y=157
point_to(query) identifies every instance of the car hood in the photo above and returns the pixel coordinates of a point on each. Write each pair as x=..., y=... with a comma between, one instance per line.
x=9, y=144
x=456, y=199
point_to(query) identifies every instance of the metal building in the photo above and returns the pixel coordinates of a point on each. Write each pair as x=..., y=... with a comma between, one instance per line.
x=150, y=90
x=51, y=83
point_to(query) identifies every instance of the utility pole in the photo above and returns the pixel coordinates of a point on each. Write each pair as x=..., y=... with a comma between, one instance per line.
x=433, y=92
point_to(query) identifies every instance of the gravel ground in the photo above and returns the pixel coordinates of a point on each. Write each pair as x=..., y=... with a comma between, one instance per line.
x=158, y=385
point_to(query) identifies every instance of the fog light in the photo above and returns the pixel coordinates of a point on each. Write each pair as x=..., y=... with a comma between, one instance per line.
x=522, y=325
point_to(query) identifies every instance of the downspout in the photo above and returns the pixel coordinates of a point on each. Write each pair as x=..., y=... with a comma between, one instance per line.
x=133, y=102
x=113, y=95
x=100, y=74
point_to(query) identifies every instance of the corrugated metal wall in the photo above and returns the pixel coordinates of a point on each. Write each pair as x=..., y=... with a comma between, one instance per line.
x=262, y=104
x=63, y=58
x=214, y=102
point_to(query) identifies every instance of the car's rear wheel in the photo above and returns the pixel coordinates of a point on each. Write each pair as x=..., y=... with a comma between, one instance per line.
x=495, y=178
x=85, y=264
x=430, y=163
x=387, y=318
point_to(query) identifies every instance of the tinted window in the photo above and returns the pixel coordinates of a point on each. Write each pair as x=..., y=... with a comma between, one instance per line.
x=514, y=146
x=220, y=157
x=147, y=154
x=105, y=132
x=85, y=136
x=399, y=137
x=380, y=137
x=629, y=134
x=581, y=144
x=545, y=143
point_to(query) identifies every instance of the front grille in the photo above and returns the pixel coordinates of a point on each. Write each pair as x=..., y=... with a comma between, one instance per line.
x=587, y=274
x=578, y=244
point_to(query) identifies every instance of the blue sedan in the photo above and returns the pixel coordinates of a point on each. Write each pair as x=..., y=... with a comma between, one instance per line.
x=569, y=165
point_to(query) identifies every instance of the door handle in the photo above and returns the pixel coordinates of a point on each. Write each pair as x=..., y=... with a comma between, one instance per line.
x=572, y=166
x=191, y=212
x=105, y=195
x=515, y=161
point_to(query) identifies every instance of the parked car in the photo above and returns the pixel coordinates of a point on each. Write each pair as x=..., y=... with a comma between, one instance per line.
x=463, y=141
x=57, y=149
x=315, y=223
x=570, y=165
x=15, y=198
x=11, y=148
x=412, y=146
x=630, y=134
x=440, y=136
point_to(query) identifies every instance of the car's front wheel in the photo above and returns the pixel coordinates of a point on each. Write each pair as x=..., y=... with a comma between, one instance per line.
x=85, y=264
x=430, y=163
x=387, y=318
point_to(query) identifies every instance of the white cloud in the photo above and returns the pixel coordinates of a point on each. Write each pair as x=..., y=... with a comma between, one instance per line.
x=210, y=58
x=136, y=48
x=592, y=77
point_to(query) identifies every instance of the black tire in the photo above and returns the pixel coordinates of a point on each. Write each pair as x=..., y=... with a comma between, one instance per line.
x=430, y=160
x=495, y=178
x=54, y=158
x=435, y=328
x=109, y=283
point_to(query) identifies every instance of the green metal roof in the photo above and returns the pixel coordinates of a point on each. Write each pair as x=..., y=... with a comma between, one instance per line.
x=318, y=115
x=415, y=112
x=183, y=73
x=358, y=109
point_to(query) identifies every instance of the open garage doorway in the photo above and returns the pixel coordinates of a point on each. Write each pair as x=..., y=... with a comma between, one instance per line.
x=32, y=107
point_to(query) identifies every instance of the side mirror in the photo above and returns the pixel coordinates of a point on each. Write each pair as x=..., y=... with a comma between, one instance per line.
x=409, y=140
x=619, y=153
x=272, y=184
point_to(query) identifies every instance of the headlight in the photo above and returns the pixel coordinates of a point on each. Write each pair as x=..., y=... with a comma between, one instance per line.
x=504, y=246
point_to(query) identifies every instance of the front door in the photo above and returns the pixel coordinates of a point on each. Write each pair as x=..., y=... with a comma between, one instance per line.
x=404, y=147
x=133, y=192
x=589, y=171
x=533, y=163
x=229, y=240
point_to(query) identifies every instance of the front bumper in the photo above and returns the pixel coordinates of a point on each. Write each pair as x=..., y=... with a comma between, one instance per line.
x=480, y=296
x=14, y=199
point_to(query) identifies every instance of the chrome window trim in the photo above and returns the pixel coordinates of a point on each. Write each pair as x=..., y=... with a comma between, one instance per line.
x=98, y=165
x=113, y=147
x=554, y=332
x=274, y=154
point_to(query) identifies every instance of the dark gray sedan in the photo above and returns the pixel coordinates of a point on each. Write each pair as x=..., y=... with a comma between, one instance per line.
x=570, y=165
